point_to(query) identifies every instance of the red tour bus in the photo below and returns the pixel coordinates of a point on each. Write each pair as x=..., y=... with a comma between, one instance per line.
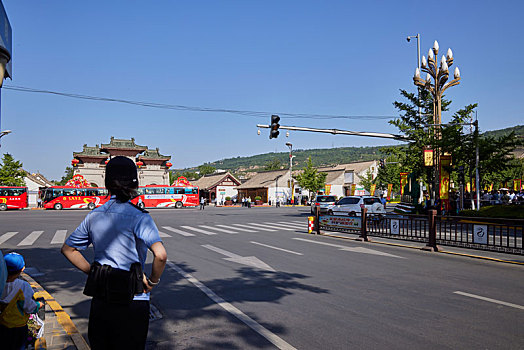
x=13, y=197
x=62, y=197
x=157, y=196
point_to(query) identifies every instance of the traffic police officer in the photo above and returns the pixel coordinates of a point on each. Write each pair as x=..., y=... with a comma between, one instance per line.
x=121, y=234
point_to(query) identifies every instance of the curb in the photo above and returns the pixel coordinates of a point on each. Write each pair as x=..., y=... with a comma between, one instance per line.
x=419, y=248
x=59, y=331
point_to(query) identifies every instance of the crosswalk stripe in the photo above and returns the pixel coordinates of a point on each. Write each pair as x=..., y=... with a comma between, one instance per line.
x=163, y=234
x=198, y=230
x=261, y=227
x=279, y=226
x=298, y=222
x=6, y=236
x=186, y=234
x=237, y=228
x=219, y=229
x=59, y=237
x=31, y=238
x=290, y=224
x=287, y=225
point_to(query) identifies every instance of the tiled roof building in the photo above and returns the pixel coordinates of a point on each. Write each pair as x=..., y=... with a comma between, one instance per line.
x=152, y=166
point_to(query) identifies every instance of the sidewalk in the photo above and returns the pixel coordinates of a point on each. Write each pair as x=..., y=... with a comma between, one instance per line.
x=59, y=330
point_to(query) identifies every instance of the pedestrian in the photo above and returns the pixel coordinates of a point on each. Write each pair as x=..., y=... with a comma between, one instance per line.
x=16, y=305
x=383, y=201
x=202, y=203
x=249, y=202
x=121, y=233
x=39, y=202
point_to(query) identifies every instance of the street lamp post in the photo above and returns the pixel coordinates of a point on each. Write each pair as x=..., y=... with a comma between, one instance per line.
x=436, y=83
x=291, y=171
x=3, y=133
x=418, y=61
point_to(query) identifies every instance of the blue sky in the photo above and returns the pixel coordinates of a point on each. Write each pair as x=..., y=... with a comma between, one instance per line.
x=316, y=57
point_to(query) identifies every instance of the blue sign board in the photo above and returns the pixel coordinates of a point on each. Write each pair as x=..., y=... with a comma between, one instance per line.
x=6, y=38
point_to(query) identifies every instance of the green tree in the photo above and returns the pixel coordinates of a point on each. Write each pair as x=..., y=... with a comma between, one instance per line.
x=11, y=172
x=367, y=180
x=310, y=178
x=206, y=169
x=68, y=175
x=274, y=164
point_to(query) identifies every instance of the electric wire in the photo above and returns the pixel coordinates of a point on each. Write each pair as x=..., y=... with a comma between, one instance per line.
x=258, y=114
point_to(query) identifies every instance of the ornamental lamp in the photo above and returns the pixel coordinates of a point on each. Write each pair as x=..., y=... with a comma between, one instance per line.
x=435, y=47
x=456, y=75
x=424, y=62
x=139, y=164
x=75, y=162
x=169, y=165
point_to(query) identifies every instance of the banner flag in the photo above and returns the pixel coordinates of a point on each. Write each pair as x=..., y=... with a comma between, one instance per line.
x=390, y=188
x=372, y=190
x=403, y=182
x=353, y=188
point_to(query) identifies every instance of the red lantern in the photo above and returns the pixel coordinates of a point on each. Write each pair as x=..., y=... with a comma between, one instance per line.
x=169, y=165
x=139, y=164
x=107, y=161
x=75, y=162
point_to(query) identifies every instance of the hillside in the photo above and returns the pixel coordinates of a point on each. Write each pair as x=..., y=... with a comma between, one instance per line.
x=320, y=157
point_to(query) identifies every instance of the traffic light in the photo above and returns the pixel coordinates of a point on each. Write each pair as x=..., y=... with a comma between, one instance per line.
x=273, y=133
x=382, y=163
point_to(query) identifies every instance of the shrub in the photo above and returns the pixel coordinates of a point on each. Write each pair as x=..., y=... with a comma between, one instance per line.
x=258, y=198
x=228, y=198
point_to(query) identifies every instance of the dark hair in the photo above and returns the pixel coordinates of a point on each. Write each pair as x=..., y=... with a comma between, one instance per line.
x=122, y=190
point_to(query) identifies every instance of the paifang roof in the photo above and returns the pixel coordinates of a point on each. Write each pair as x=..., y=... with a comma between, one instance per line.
x=90, y=152
x=153, y=154
x=210, y=181
x=122, y=144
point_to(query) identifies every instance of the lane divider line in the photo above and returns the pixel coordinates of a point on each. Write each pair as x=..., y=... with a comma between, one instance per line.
x=277, y=248
x=254, y=325
x=516, y=306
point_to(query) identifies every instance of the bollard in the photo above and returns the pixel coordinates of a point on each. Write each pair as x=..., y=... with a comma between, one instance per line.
x=310, y=224
x=363, y=226
x=431, y=246
x=317, y=220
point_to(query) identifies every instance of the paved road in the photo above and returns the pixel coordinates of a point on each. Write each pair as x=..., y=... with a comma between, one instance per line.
x=243, y=278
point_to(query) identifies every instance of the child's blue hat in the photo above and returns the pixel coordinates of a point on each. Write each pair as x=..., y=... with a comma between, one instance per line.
x=14, y=262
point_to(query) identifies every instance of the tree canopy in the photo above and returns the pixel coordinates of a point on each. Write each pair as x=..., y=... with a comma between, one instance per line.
x=11, y=172
x=310, y=178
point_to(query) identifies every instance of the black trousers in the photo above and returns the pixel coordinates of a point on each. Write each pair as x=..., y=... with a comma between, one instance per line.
x=13, y=338
x=117, y=326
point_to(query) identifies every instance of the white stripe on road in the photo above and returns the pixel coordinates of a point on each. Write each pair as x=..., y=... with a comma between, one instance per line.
x=198, y=230
x=6, y=236
x=237, y=228
x=59, y=237
x=183, y=233
x=260, y=227
x=301, y=225
x=31, y=238
x=255, y=228
x=219, y=229
x=254, y=325
x=352, y=249
x=490, y=300
x=163, y=234
x=281, y=249
x=280, y=226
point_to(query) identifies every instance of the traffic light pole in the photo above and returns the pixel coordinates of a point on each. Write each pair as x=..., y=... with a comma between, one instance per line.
x=340, y=132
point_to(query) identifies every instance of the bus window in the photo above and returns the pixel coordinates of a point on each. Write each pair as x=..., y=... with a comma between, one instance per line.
x=179, y=190
x=140, y=191
x=170, y=190
x=69, y=192
x=195, y=190
x=158, y=191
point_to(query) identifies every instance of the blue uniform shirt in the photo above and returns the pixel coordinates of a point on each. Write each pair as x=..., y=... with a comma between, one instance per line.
x=120, y=234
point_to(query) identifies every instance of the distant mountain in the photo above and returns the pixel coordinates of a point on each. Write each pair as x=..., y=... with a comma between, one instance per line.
x=320, y=157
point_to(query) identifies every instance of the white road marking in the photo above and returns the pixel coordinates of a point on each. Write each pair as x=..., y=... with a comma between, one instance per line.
x=516, y=306
x=59, y=237
x=31, y=238
x=261, y=227
x=293, y=224
x=280, y=226
x=198, y=230
x=183, y=233
x=254, y=325
x=282, y=249
x=6, y=236
x=237, y=228
x=244, y=260
x=352, y=249
x=219, y=229
x=163, y=234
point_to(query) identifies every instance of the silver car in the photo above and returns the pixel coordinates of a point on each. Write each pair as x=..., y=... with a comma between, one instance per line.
x=352, y=206
x=322, y=202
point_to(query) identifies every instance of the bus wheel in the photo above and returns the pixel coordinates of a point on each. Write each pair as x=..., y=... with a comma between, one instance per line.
x=58, y=206
x=178, y=205
x=141, y=205
x=3, y=207
x=91, y=206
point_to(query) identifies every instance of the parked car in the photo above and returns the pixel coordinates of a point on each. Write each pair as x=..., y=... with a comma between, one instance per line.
x=352, y=206
x=322, y=202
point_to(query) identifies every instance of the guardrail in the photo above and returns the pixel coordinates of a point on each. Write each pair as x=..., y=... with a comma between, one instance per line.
x=499, y=235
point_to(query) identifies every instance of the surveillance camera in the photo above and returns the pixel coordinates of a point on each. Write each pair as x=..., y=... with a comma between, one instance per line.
x=408, y=39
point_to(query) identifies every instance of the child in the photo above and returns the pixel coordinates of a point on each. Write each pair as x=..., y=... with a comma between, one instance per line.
x=16, y=304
